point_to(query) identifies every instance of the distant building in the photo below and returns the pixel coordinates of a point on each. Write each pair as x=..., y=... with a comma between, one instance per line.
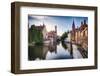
x=80, y=34
x=52, y=35
x=73, y=32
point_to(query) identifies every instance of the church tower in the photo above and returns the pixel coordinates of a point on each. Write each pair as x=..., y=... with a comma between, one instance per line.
x=73, y=26
x=73, y=30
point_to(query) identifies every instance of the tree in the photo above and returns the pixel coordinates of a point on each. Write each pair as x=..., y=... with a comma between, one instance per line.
x=35, y=35
x=64, y=35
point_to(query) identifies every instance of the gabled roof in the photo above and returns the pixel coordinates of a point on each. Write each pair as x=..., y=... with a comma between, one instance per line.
x=82, y=27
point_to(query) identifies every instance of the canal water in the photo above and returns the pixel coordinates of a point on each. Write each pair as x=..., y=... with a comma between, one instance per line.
x=54, y=51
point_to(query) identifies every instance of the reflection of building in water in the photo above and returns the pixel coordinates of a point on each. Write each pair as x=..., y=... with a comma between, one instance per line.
x=51, y=48
x=68, y=46
x=44, y=50
x=80, y=34
x=39, y=52
x=71, y=50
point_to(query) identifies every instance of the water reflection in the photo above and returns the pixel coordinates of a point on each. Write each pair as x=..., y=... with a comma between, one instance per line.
x=59, y=50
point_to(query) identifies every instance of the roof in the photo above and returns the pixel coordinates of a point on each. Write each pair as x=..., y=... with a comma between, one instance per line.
x=82, y=27
x=40, y=28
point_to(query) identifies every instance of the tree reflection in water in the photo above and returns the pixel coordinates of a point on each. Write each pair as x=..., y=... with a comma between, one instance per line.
x=64, y=45
x=59, y=50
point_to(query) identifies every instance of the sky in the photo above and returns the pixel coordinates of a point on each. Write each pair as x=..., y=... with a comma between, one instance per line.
x=63, y=23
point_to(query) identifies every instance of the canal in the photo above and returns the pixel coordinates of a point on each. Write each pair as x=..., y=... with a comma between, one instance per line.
x=56, y=51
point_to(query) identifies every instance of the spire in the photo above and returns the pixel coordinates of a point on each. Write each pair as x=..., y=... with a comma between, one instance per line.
x=73, y=25
x=73, y=30
x=73, y=22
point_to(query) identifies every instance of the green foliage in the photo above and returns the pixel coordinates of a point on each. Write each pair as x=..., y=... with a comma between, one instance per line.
x=35, y=35
x=64, y=35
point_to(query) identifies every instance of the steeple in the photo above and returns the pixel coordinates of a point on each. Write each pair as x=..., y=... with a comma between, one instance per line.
x=73, y=25
x=73, y=30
